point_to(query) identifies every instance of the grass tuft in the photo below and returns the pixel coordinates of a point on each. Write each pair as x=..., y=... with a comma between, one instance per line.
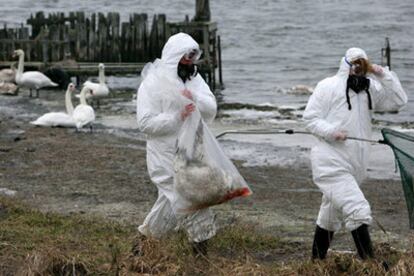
x=35, y=243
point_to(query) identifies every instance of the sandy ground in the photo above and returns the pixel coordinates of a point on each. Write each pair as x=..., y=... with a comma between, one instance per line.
x=60, y=170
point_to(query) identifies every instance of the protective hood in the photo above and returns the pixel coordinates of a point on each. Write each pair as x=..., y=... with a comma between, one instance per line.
x=350, y=55
x=176, y=47
x=355, y=53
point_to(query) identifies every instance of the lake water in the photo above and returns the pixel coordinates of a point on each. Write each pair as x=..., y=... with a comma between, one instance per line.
x=268, y=47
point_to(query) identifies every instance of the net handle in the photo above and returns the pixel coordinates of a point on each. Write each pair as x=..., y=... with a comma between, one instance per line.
x=288, y=131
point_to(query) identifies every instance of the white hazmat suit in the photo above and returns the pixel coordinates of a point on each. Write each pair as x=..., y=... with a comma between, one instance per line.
x=338, y=167
x=159, y=107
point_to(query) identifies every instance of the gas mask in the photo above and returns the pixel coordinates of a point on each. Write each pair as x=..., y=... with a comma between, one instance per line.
x=186, y=68
x=186, y=71
x=358, y=84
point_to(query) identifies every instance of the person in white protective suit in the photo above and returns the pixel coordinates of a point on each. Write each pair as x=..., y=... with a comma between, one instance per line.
x=342, y=106
x=160, y=113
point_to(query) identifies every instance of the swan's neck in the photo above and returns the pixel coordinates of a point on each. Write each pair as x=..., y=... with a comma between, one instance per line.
x=20, y=67
x=101, y=76
x=68, y=102
x=83, y=96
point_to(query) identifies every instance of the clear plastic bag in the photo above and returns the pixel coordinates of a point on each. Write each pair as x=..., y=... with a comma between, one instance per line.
x=203, y=174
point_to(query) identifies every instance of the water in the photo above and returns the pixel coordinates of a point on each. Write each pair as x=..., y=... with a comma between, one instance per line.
x=268, y=48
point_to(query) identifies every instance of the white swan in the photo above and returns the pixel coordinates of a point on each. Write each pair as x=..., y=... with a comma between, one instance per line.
x=32, y=79
x=61, y=119
x=83, y=113
x=8, y=88
x=8, y=74
x=99, y=90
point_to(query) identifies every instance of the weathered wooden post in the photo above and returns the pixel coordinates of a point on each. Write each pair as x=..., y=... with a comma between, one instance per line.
x=219, y=62
x=115, y=22
x=202, y=11
x=386, y=53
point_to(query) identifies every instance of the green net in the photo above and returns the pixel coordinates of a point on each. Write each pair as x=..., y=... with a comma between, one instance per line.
x=403, y=148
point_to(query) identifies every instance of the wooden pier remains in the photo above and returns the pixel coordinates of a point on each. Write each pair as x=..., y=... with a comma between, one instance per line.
x=76, y=42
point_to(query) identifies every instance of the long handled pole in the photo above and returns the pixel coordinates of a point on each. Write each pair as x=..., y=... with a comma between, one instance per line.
x=288, y=131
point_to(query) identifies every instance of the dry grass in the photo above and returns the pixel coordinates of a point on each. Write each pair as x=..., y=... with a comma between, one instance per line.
x=33, y=243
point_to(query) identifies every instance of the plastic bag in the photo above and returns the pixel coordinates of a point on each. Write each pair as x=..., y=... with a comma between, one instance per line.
x=203, y=174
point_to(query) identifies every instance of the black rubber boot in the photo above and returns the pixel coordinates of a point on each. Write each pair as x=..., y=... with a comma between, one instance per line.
x=200, y=248
x=363, y=242
x=321, y=243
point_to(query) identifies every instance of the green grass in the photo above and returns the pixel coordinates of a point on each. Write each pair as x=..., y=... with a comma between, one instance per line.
x=35, y=243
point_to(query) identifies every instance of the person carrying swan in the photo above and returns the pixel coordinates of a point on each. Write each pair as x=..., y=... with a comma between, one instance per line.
x=32, y=79
x=160, y=114
x=342, y=105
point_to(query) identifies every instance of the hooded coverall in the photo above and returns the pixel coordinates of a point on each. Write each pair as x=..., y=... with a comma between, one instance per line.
x=159, y=108
x=338, y=167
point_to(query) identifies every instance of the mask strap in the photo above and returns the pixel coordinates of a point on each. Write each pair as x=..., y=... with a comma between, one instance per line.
x=369, y=96
x=369, y=100
x=349, y=63
x=195, y=70
x=348, y=100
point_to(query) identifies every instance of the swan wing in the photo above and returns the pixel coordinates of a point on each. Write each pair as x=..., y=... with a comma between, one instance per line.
x=36, y=79
x=91, y=85
x=83, y=115
x=99, y=90
x=54, y=119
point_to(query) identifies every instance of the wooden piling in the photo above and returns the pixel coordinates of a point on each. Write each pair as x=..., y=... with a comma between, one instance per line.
x=202, y=11
x=115, y=40
x=102, y=37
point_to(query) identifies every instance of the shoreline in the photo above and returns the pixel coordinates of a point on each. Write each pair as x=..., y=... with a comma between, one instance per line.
x=101, y=174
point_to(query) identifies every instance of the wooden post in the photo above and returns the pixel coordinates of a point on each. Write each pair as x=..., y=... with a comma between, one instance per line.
x=37, y=23
x=202, y=11
x=2, y=52
x=161, y=33
x=135, y=36
x=143, y=38
x=124, y=41
x=3, y=32
x=82, y=36
x=219, y=61
x=153, y=39
x=92, y=38
x=115, y=41
x=62, y=37
x=66, y=40
x=388, y=52
x=102, y=37
x=72, y=20
x=138, y=28
x=54, y=41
